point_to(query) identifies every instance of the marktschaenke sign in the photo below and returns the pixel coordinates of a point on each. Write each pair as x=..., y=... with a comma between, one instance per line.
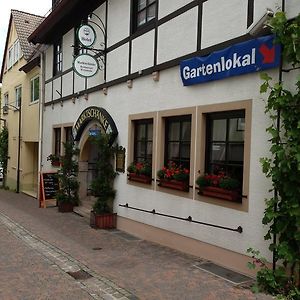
x=85, y=65
x=251, y=56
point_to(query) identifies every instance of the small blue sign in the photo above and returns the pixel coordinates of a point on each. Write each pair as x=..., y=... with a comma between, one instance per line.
x=247, y=57
x=94, y=132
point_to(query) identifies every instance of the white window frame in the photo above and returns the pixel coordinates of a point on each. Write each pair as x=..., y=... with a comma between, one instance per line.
x=14, y=54
x=18, y=91
x=32, y=95
x=5, y=99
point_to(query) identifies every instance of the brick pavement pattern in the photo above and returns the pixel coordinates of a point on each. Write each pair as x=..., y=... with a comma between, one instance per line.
x=53, y=243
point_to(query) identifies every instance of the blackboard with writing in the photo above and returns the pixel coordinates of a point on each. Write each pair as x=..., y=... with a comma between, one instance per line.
x=49, y=187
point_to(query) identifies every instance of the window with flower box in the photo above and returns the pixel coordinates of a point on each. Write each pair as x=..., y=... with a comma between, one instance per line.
x=224, y=155
x=178, y=140
x=176, y=170
x=141, y=168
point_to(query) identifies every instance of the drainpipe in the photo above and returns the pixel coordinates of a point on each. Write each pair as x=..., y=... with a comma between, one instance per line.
x=19, y=147
x=41, y=111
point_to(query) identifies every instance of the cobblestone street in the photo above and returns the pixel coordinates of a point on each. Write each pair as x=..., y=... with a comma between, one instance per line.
x=49, y=255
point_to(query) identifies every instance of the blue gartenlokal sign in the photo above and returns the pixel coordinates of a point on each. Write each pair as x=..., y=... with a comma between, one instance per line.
x=250, y=56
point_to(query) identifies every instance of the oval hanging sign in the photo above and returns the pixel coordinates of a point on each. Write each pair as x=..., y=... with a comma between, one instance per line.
x=85, y=65
x=86, y=35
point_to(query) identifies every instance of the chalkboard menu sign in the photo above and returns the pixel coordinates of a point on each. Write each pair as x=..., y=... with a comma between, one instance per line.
x=48, y=187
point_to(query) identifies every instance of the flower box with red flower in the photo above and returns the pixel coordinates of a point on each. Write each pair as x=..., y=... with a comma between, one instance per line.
x=140, y=172
x=174, y=177
x=55, y=160
x=219, y=186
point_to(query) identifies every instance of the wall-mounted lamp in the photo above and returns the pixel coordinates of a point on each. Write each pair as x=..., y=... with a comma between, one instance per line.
x=104, y=91
x=261, y=25
x=86, y=97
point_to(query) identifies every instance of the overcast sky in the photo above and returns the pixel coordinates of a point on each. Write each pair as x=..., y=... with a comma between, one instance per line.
x=38, y=7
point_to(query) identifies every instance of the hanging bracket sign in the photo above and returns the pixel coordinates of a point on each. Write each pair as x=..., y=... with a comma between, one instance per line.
x=85, y=65
x=86, y=35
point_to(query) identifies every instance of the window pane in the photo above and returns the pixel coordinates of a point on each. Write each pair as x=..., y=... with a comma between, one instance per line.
x=149, y=149
x=140, y=149
x=150, y=132
x=236, y=129
x=141, y=18
x=219, y=130
x=174, y=131
x=141, y=132
x=141, y=4
x=151, y=1
x=151, y=13
x=36, y=84
x=185, y=151
x=236, y=153
x=186, y=131
x=173, y=151
x=218, y=152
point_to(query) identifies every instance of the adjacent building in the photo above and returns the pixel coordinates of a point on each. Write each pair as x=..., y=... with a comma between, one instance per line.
x=20, y=78
x=177, y=82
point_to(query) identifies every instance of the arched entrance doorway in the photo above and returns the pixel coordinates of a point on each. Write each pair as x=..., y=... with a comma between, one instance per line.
x=92, y=121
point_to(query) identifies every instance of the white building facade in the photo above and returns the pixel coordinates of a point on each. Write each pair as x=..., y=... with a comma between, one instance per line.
x=205, y=127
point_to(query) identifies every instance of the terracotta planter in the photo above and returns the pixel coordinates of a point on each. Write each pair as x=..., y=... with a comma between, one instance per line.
x=139, y=178
x=174, y=184
x=103, y=221
x=65, y=207
x=217, y=192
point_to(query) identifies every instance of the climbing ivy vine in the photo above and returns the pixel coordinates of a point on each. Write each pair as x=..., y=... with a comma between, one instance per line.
x=282, y=213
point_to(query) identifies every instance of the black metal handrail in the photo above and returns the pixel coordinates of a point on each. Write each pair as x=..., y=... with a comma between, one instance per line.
x=239, y=229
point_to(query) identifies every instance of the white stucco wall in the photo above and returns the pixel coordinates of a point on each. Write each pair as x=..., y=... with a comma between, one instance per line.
x=118, y=24
x=178, y=36
x=166, y=7
x=142, y=52
x=222, y=21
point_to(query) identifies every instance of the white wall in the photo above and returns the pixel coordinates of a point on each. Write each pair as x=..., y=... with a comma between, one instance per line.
x=166, y=7
x=178, y=36
x=223, y=20
x=68, y=41
x=118, y=24
x=142, y=52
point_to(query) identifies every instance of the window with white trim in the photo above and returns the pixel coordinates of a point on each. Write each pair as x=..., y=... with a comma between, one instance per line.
x=14, y=54
x=35, y=89
x=18, y=94
x=6, y=99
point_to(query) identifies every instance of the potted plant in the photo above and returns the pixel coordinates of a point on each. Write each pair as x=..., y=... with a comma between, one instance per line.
x=67, y=195
x=219, y=186
x=140, y=172
x=174, y=177
x=102, y=215
x=55, y=160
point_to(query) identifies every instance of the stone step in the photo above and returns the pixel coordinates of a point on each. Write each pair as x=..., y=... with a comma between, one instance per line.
x=83, y=211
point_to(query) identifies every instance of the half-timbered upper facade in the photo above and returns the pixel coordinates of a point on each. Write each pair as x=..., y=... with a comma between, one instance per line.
x=216, y=127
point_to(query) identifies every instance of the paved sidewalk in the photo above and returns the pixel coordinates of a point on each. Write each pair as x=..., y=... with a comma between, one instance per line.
x=121, y=267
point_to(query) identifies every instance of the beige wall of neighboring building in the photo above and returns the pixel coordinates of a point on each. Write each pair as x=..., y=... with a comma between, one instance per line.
x=13, y=78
